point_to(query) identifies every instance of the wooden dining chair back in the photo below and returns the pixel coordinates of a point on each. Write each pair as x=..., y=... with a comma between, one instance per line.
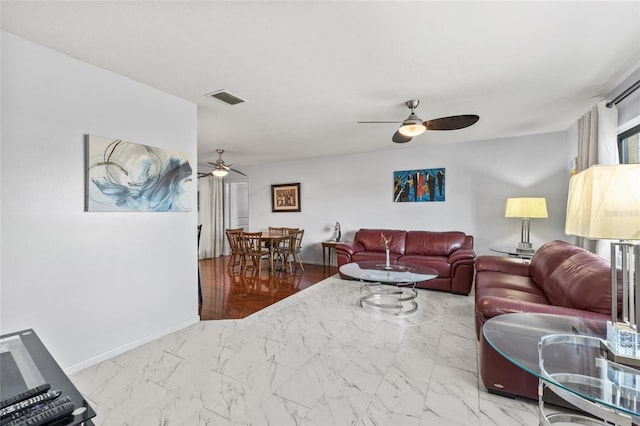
x=277, y=230
x=289, y=250
x=253, y=251
x=234, y=237
x=296, y=246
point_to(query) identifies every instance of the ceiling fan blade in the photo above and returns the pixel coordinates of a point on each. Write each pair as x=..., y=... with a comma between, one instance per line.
x=454, y=122
x=400, y=138
x=237, y=171
x=375, y=122
x=209, y=162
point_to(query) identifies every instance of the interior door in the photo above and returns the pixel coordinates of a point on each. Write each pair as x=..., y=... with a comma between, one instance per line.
x=237, y=203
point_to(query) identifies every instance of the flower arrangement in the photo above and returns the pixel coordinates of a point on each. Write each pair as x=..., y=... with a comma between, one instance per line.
x=384, y=241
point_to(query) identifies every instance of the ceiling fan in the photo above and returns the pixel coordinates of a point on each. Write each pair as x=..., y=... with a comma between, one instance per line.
x=414, y=126
x=219, y=168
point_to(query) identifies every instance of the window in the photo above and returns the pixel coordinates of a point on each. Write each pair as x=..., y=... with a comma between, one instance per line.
x=629, y=145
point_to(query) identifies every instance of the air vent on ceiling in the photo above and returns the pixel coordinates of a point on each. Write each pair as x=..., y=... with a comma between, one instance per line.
x=226, y=97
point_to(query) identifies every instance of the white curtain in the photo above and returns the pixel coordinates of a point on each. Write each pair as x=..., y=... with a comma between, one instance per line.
x=597, y=144
x=211, y=217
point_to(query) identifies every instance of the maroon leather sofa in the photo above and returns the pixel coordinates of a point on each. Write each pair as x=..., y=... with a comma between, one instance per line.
x=449, y=253
x=561, y=279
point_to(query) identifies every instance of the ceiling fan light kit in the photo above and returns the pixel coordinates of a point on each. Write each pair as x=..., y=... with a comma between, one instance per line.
x=411, y=129
x=221, y=169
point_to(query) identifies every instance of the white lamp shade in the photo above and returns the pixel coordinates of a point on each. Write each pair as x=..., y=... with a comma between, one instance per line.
x=604, y=203
x=528, y=208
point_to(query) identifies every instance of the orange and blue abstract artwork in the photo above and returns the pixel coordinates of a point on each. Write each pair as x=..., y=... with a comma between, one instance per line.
x=127, y=176
x=419, y=185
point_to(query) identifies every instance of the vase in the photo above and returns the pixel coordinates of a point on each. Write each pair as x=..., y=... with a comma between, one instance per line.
x=387, y=264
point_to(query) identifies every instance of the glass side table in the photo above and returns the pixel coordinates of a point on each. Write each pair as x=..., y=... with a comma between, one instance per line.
x=566, y=355
x=26, y=363
x=513, y=252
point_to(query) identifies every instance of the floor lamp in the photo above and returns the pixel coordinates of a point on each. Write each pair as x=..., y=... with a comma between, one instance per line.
x=526, y=209
x=604, y=204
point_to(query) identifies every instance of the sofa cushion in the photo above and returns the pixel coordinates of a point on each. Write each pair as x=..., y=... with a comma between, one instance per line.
x=374, y=255
x=427, y=243
x=583, y=281
x=548, y=257
x=508, y=282
x=440, y=264
x=370, y=240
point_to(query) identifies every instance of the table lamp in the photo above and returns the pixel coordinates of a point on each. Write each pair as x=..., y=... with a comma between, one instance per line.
x=526, y=209
x=604, y=203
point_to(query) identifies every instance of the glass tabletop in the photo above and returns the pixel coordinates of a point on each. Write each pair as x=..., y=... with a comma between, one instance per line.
x=399, y=272
x=567, y=352
x=512, y=251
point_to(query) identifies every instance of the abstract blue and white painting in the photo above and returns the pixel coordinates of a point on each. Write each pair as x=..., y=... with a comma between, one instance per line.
x=127, y=176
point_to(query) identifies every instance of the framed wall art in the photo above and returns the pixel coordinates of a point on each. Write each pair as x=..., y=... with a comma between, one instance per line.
x=419, y=185
x=126, y=176
x=285, y=197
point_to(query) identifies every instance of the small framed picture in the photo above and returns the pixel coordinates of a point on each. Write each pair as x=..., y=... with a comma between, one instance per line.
x=285, y=197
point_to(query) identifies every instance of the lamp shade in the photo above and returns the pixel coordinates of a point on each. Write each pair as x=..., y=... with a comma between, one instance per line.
x=529, y=208
x=604, y=203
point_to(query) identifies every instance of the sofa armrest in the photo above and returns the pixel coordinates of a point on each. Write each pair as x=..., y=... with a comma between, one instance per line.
x=508, y=265
x=491, y=306
x=344, y=251
x=461, y=255
x=349, y=248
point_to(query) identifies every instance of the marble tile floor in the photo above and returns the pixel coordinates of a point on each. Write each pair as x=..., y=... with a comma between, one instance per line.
x=314, y=358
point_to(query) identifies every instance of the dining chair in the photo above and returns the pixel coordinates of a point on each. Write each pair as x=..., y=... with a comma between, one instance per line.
x=275, y=230
x=296, y=246
x=234, y=236
x=199, y=281
x=253, y=250
x=289, y=249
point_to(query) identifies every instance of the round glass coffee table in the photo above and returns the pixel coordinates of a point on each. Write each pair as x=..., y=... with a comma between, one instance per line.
x=567, y=356
x=399, y=299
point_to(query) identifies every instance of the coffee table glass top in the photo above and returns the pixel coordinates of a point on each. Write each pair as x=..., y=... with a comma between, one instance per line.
x=573, y=359
x=374, y=271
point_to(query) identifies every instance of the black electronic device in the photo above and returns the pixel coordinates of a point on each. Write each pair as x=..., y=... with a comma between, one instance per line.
x=25, y=395
x=48, y=413
x=28, y=403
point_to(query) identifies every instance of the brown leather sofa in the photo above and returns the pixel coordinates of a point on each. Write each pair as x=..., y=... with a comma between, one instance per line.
x=449, y=253
x=561, y=279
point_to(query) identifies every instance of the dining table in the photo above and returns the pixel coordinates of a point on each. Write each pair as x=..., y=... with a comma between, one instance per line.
x=273, y=239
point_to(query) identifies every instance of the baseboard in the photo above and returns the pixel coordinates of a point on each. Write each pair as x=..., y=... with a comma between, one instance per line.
x=127, y=347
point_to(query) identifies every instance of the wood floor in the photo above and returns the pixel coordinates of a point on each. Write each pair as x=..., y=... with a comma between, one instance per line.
x=230, y=294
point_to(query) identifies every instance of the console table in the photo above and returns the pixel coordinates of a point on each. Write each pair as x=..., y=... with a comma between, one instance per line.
x=327, y=246
x=566, y=356
x=26, y=363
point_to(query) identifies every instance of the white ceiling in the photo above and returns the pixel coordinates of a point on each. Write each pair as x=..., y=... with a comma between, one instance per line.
x=310, y=70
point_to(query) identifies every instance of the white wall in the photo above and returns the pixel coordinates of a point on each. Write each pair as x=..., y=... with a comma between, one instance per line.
x=357, y=191
x=90, y=284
